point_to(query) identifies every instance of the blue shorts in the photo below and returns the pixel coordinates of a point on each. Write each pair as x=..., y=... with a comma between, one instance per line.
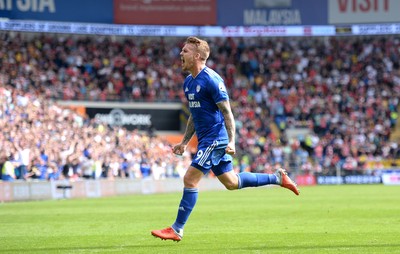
x=212, y=157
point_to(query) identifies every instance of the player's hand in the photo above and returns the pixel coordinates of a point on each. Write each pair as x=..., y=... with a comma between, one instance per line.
x=230, y=149
x=179, y=149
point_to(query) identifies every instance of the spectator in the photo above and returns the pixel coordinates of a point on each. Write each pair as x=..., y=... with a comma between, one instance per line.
x=7, y=171
x=345, y=91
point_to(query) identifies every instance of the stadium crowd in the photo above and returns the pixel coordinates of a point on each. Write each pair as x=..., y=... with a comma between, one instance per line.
x=41, y=140
x=344, y=91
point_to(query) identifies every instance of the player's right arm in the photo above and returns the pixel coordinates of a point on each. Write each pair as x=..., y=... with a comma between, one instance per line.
x=187, y=136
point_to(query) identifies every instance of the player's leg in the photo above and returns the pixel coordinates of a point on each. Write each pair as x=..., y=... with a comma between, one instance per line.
x=188, y=201
x=234, y=181
x=189, y=197
x=248, y=179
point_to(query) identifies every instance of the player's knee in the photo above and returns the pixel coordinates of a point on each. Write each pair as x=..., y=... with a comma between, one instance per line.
x=189, y=182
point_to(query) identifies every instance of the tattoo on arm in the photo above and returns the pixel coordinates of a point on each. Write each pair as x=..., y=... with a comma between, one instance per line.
x=225, y=108
x=189, y=132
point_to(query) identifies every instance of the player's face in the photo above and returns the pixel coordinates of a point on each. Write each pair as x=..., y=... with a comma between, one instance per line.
x=188, y=57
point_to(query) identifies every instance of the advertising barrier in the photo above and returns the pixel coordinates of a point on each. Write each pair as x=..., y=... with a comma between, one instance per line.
x=363, y=11
x=220, y=13
x=58, y=10
x=350, y=179
x=162, y=12
x=141, y=116
x=306, y=180
x=24, y=191
x=271, y=12
x=96, y=29
x=142, y=119
x=391, y=178
x=40, y=190
x=203, y=31
x=6, y=191
x=21, y=191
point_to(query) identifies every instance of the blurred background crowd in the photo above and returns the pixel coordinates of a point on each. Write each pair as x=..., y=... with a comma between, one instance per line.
x=344, y=91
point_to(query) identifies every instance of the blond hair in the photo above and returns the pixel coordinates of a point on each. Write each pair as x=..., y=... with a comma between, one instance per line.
x=201, y=45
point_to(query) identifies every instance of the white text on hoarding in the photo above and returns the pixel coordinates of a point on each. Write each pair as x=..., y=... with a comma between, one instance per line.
x=29, y=5
x=273, y=17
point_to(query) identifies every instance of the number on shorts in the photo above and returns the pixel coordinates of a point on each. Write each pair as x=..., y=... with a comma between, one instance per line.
x=199, y=154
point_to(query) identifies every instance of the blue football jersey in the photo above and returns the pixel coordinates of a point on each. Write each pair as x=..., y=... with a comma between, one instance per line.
x=203, y=93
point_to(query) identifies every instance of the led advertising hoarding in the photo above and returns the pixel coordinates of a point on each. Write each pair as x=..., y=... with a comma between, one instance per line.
x=58, y=10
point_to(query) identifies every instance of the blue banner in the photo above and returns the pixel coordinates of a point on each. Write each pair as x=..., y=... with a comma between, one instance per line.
x=58, y=10
x=271, y=12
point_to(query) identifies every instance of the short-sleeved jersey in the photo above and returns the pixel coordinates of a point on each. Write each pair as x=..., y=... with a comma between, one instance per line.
x=203, y=93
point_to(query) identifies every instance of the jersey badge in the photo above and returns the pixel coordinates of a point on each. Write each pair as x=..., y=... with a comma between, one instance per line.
x=222, y=87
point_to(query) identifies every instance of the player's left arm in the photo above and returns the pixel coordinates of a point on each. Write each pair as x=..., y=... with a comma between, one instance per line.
x=225, y=107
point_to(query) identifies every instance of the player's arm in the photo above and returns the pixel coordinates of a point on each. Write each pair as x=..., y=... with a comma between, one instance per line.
x=189, y=132
x=225, y=108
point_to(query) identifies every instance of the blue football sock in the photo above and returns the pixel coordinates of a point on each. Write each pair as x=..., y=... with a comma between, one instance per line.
x=247, y=179
x=188, y=201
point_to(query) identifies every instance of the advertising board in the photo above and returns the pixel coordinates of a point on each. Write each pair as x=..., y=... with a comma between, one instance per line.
x=363, y=11
x=391, y=178
x=58, y=10
x=165, y=12
x=142, y=119
x=271, y=12
x=350, y=179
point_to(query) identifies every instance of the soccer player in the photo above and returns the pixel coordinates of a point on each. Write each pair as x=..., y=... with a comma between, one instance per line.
x=212, y=120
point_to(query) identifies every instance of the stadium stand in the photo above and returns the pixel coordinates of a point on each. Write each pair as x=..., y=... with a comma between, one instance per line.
x=309, y=104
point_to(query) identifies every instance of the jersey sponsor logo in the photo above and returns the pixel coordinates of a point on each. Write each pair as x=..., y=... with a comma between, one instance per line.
x=192, y=103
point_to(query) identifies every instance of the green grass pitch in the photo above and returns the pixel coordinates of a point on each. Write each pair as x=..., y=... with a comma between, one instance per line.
x=323, y=219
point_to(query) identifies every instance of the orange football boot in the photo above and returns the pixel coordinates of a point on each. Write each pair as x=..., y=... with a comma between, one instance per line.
x=167, y=234
x=286, y=182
